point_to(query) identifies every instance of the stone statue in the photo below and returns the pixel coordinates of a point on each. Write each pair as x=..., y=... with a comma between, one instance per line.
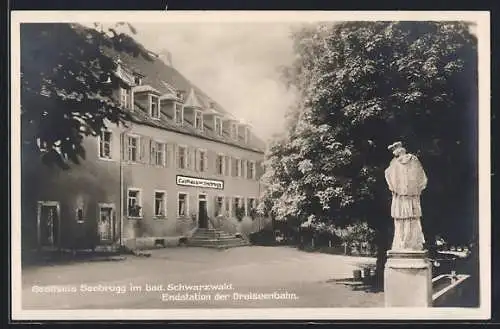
x=406, y=180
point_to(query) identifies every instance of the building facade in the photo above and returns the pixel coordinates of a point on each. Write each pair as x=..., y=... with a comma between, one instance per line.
x=181, y=161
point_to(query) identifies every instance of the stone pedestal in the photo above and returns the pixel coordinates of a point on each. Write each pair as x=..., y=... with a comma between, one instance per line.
x=408, y=279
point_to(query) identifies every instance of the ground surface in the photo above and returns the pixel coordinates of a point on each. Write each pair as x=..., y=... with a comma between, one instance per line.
x=306, y=278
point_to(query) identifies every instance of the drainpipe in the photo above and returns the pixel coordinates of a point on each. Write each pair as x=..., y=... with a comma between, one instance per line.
x=122, y=155
x=121, y=187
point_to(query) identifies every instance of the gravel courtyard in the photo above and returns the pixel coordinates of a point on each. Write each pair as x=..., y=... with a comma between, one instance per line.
x=199, y=278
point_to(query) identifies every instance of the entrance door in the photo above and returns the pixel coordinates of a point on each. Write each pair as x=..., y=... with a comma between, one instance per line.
x=202, y=212
x=48, y=224
x=106, y=223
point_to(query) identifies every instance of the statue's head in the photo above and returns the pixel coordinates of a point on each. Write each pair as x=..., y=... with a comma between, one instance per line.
x=397, y=149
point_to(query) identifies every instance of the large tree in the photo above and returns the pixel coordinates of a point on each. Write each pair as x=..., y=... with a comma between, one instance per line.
x=362, y=86
x=66, y=86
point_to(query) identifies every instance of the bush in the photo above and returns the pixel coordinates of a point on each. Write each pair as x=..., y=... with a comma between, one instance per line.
x=263, y=238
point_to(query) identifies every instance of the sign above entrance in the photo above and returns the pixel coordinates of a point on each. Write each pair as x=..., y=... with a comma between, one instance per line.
x=200, y=182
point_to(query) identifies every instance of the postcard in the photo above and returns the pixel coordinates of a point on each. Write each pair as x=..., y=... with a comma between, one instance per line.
x=250, y=165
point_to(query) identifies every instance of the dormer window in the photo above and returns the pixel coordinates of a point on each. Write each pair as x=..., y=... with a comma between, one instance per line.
x=218, y=126
x=138, y=81
x=234, y=131
x=125, y=97
x=179, y=114
x=154, y=105
x=198, y=120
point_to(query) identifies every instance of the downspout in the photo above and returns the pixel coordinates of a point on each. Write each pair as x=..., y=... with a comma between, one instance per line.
x=122, y=154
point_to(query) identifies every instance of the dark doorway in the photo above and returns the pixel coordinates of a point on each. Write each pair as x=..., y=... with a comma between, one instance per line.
x=105, y=227
x=48, y=224
x=202, y=212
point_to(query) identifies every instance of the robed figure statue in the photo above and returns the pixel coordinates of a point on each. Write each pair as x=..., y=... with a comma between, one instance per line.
x=406, y=180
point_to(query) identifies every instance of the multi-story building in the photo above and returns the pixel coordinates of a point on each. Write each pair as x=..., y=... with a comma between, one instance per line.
x=182, y=159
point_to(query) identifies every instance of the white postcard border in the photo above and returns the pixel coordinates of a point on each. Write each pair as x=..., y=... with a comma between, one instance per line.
x=482, y=19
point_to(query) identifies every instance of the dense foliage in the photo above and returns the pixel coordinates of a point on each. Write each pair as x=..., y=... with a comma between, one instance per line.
x=66, y=86
x=362, y=86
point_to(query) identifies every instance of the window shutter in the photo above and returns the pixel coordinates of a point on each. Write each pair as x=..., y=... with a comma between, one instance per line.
x=152, y=159
x=125, y=147
x=259, y=170
x=197, y=154
x=216, y=209
x=168, y=155
x=227, y=164
x=176, y=155
x=143, y=144
x=216, y=164
x=188, y=157
x=165, y=154
x=193, y=158
x=205, y=161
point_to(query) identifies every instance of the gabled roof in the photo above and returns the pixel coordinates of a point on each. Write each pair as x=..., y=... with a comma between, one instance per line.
x=192, y=100
x=166, y=80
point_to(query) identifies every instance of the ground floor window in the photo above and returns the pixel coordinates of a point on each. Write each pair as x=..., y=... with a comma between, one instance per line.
x=227, y=206
x=134, y=203
x=182, y=205
x=252, y=207
x=219, y=205
x=238, y=210
x=160, y=204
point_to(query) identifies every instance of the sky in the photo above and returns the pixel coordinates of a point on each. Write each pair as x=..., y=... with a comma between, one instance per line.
x=236, y=64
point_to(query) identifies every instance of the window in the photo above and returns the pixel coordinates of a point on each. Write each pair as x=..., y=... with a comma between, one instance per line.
x=182, y=205
x=236, y=204
x=202, y=166
x=181, y=157
x=227, y=203
x=238, y=208
x=243, y=165
x=227, y=165
x=160, y=203
x=198, y=120
x=179, y=114
x=251, y=207
x=125, y=98
x=158, y=153
x=238, y=167
x=218, y=126
x=234, y=131
x=105, y=145
x=134, y=203
x=138, y=81
x=133, y=148
x=154, y=106
x=219, y=164
x=251, y=170
x=219, y=205
x=79, y=215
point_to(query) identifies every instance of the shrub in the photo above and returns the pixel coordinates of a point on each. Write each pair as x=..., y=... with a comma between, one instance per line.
x=263, y=238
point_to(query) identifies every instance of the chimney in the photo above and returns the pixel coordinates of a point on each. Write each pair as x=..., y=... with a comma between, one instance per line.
x=166, y=57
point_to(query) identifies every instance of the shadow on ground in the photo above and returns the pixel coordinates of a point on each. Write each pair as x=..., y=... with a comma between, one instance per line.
x=59, y=257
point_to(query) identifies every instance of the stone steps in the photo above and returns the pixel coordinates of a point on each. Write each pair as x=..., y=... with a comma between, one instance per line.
x=212, y=238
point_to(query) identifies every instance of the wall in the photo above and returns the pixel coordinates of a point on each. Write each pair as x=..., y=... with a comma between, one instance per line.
x=148, y=178
x=98, y=181
x=84, y=185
